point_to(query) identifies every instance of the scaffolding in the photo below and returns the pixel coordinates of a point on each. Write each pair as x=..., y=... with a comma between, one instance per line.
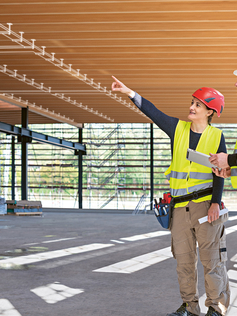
x=105, y=166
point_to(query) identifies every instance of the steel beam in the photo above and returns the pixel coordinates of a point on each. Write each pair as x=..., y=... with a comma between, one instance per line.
x=14, y=130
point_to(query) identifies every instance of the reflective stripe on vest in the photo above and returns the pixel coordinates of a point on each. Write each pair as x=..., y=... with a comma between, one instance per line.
x=234, y=172
x=193, y=175
x=201, y=175
x=186, y=177
x=179, y=192
x=177, y=175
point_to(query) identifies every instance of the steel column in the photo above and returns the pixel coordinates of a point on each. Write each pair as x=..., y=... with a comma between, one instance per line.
x=151, y=164
x=13, y=168
x=24, y=156
x=80, y=171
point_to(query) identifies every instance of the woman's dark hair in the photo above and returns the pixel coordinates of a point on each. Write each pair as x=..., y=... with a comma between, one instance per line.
x=210, y=116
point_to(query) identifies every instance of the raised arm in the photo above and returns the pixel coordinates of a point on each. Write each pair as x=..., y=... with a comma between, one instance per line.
x=163, y=121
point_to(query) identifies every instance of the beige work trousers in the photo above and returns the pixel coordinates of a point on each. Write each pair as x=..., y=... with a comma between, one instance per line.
x=186, y=232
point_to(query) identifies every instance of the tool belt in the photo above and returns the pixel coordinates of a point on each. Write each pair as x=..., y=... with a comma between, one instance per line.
x=192, y=196
x=164, y=211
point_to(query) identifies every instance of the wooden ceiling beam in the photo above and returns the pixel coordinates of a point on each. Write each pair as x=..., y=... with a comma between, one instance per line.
x=164, y=50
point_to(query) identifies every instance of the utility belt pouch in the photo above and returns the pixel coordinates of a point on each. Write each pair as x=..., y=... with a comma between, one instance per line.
x=163, y=213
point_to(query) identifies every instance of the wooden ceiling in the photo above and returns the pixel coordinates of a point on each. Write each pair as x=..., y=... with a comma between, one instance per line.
x=164, y=50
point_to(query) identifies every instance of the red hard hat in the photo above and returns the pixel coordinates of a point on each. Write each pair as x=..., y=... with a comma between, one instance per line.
x=212, y=98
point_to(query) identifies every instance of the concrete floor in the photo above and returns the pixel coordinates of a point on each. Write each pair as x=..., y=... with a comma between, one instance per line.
x=78, y=264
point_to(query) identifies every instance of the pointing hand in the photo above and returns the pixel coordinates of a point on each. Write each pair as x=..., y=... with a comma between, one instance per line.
x=119, y=86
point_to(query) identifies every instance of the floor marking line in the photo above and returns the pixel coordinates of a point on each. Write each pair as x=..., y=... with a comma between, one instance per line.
x=6, y=308
x=57, y=240
x=231, y=229
x=144, y=261
x=53, y=254
x=232, y=218
x=55, y=292
x=89, y=255
x=146, y=236
x=232, y=274
x=138, y=263
x=49, y=241
x=117, y=241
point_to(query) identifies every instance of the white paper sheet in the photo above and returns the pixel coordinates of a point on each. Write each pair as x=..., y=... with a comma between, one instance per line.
x=204, y=219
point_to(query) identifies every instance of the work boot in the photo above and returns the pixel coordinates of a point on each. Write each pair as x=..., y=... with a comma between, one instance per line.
x=212, y=312
x=182, y=311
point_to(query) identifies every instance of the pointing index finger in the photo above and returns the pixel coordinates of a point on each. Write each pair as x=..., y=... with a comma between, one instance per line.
x=116, y=79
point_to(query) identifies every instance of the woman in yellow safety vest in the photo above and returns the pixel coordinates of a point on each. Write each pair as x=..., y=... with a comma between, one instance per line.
x=199, y=192
x=228, y=165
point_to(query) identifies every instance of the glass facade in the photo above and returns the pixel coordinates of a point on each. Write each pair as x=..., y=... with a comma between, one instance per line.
x=116, y=168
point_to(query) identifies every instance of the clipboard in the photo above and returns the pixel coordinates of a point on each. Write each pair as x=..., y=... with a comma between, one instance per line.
x=200, y=158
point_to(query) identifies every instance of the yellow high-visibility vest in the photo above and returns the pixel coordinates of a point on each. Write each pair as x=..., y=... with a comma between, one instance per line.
x=234, y=172
x=185, y=177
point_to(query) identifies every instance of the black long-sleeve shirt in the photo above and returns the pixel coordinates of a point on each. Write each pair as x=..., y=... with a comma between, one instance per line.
x=168, y=125
x=232, y=160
